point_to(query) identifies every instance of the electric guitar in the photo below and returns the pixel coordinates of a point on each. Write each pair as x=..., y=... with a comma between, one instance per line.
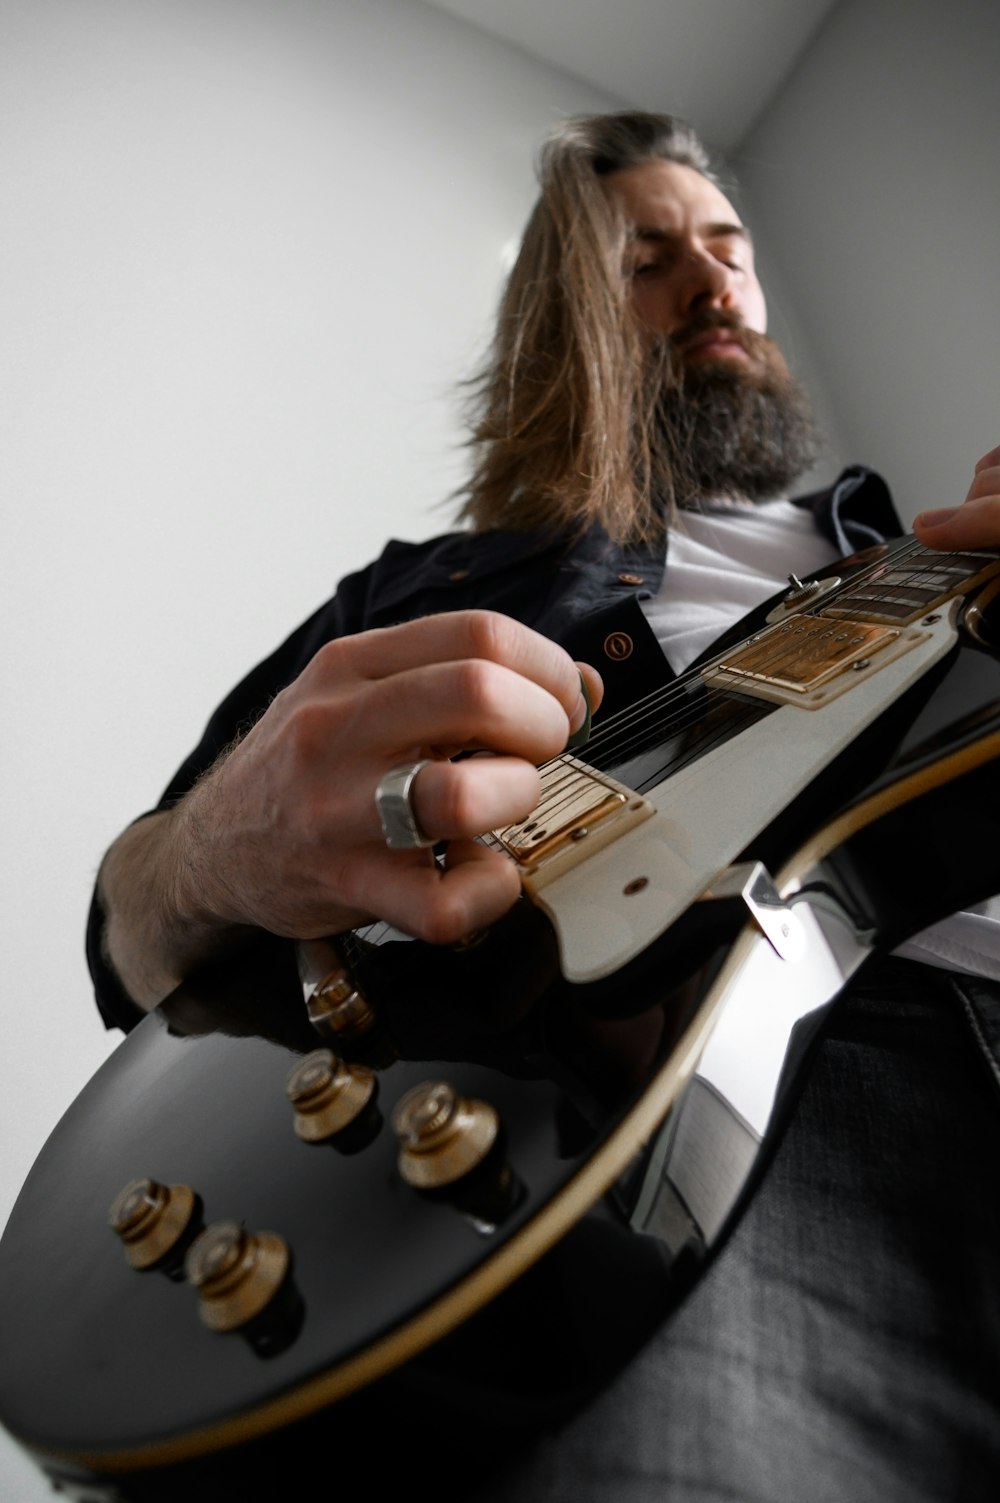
x=375, y=1198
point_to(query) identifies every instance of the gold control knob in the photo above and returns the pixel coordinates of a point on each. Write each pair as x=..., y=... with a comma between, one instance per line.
x=443, y=1136
x=338, y=1010
x=151, y=1219
x=237, y=1273
x=328, y=1094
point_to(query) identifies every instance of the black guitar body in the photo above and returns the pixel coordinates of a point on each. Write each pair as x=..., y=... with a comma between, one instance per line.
x=526, y=1358
x=414, y=1325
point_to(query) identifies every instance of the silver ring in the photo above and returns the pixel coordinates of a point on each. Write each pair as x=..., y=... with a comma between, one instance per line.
x=395, y=809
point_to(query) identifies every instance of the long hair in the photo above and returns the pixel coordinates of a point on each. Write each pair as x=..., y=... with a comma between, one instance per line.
x=561, y=412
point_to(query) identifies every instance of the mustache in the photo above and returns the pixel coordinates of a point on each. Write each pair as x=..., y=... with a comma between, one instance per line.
x=707, y=322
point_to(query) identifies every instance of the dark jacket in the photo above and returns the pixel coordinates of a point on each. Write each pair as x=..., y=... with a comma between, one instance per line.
x=582, y=593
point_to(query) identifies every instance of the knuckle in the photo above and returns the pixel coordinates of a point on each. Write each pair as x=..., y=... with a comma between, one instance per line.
x=444, y=919
x=332, y=661
x=492, y=636
x=441, y=927
x=307, y=732
x=479, y=687
x=455, y=802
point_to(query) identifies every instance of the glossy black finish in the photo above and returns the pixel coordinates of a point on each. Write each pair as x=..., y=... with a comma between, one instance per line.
x=210, y=1111
x=100, y=1358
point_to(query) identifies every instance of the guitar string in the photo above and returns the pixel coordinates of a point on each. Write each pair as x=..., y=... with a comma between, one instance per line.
x=645, y=716
x=552, y=805
x=679, y=689
x=641, y=715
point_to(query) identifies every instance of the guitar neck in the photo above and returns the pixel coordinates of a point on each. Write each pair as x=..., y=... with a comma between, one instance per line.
x=911, y=581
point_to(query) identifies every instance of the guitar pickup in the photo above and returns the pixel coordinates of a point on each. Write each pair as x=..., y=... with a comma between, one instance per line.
x=580, y=811
x=808, y=659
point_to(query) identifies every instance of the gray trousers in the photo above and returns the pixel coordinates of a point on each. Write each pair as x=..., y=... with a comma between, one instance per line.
x=845, y=1344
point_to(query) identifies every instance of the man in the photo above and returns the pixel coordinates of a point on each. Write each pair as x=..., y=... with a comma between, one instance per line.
x=633, y=398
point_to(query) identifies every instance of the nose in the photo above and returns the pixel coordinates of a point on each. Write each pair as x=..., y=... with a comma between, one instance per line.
x=707, y=282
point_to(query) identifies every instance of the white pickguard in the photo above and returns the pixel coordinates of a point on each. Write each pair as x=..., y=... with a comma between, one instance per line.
x=709, y=811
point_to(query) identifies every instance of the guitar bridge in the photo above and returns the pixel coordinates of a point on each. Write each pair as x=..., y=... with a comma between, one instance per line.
x=580, y=811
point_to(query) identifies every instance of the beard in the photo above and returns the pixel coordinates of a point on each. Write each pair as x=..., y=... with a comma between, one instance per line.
x=727, y=427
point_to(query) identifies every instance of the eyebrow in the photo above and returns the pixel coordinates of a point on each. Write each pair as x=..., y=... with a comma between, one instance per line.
x=653, y=236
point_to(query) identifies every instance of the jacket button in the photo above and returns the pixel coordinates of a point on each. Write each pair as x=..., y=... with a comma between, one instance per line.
x=457, y=575
x=632, y=579
x=618, y=646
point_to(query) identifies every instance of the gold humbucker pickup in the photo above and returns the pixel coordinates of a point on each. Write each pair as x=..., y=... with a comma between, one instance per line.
x=799, y=655
x=580, y=810
x=809, y=658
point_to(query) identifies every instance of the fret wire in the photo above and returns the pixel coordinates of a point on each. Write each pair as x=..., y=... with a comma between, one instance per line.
x=679, y=689
x=661, y=701
x=673, y=711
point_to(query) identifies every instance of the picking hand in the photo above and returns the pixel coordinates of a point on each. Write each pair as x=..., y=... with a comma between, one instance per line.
x=284, y=834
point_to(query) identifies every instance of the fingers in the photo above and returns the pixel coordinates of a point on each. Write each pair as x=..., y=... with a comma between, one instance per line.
x=462, y=636
x=288, y=825
x=474, y=888
x=472, y=705
x=974, y=524
x=456, y=800
x=473, y=680
x=989, y=461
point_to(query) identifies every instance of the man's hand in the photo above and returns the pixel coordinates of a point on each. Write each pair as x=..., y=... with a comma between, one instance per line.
x=283, y=834
x=974, y=524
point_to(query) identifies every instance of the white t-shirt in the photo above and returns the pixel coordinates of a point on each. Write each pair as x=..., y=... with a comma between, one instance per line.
x=724, y=560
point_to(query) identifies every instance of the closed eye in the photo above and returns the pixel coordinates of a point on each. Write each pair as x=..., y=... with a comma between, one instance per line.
x=731, y=251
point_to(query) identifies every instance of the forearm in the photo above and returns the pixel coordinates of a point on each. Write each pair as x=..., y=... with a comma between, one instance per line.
x=283, y=833
x=160, y=921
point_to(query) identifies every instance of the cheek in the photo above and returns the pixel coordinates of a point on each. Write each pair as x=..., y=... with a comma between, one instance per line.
x=755, y=308
x=654, y=306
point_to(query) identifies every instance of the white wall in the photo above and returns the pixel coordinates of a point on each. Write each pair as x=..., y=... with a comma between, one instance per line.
x=249, y=248
x=874, y=182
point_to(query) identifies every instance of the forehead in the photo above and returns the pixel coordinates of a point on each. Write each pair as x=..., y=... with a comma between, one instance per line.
x=668, y=196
